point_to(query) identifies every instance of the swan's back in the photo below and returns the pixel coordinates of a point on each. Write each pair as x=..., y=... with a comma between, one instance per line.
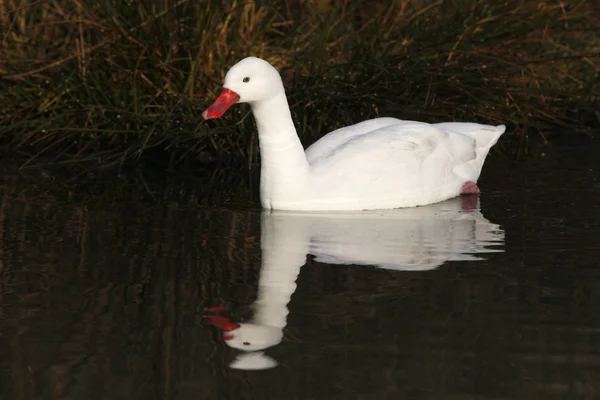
x=335, y=139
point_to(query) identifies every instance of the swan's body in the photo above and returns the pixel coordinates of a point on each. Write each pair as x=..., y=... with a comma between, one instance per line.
x=380, y=163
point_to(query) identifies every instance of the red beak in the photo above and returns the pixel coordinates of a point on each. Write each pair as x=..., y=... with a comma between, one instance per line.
x=222, y=322
x=226, y=99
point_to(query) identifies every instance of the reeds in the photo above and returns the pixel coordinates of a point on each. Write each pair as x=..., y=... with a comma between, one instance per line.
x=114, y=81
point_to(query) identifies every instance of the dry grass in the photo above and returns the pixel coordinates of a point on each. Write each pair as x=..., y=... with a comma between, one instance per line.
x=114, y=81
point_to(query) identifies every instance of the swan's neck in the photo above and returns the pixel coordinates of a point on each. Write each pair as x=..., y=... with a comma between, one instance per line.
x=284, y=169
x=284, y=243
x=270, y=309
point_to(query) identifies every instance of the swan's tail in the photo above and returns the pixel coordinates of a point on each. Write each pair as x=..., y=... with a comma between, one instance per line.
x=485, y=136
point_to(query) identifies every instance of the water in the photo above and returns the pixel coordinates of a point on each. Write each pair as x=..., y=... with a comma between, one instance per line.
x=104, y=287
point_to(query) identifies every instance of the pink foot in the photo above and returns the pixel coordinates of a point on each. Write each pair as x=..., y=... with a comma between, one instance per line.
x=470, y=188
x=469, y=203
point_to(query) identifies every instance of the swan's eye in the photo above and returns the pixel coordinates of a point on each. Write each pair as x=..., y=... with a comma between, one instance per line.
x=246, y=343
x=246, y=79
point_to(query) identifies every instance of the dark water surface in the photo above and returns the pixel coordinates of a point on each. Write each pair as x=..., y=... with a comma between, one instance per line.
x=103, y=291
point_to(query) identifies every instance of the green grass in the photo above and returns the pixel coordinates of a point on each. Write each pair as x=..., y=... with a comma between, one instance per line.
x=115, y=82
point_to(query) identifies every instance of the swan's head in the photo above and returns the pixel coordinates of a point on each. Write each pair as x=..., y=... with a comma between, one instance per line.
x=255, y=360
x=249, y=81
x=253, y=337
x=247, y=336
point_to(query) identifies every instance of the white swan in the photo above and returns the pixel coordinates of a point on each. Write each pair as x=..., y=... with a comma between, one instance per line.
x=410, y=239
x=380, y=163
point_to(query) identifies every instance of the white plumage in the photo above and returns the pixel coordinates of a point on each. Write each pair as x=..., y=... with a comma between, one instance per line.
x=380, y=163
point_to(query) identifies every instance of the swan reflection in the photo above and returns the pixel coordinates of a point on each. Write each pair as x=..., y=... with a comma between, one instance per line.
x=410, y=239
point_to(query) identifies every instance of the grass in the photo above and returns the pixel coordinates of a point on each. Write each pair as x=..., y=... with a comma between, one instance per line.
x=119, y=82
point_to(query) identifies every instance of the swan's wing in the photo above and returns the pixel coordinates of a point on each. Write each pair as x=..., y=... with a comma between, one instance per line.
x=402, y=158
x=327, y=144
